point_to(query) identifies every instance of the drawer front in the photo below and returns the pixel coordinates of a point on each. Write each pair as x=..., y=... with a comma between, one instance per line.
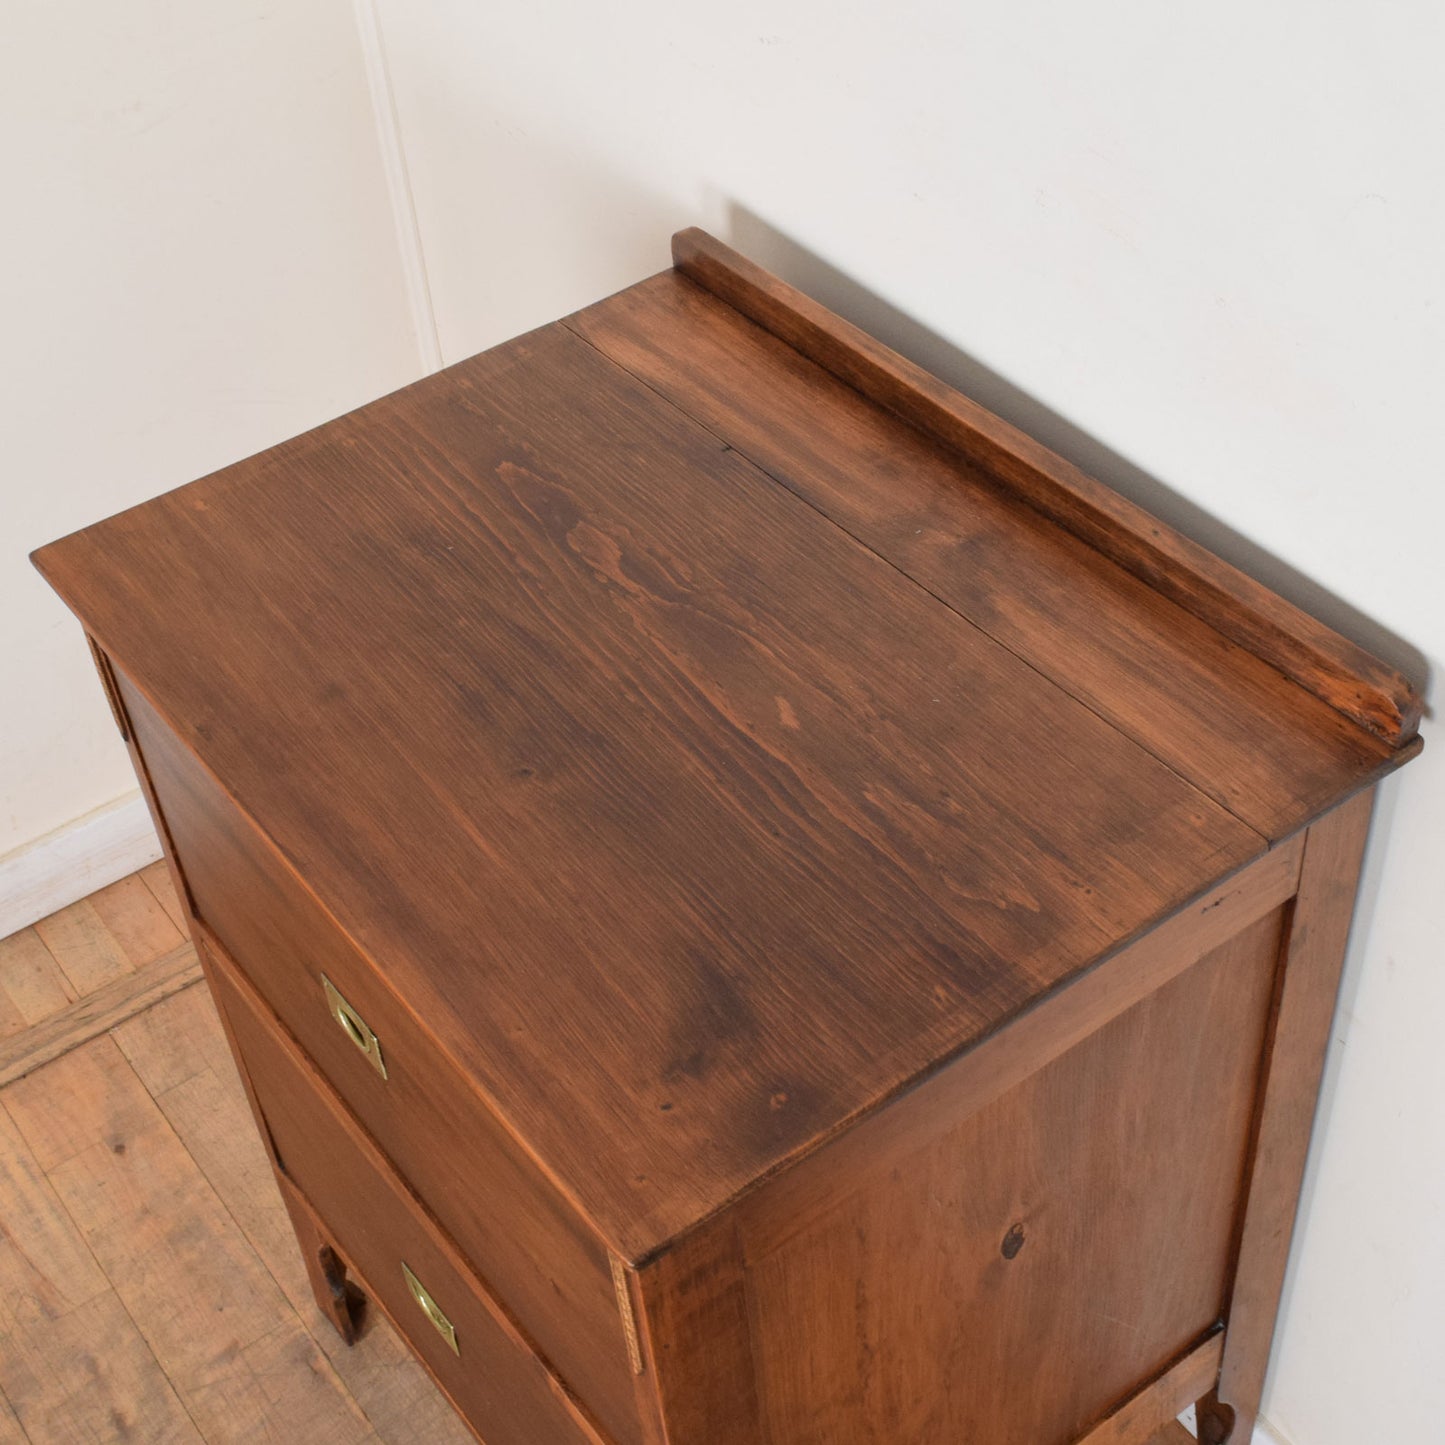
x=383, y=1234
x=518, y=1232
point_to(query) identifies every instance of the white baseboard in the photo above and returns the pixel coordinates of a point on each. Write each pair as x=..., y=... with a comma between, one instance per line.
x=1263, y=1435
x=75, y=860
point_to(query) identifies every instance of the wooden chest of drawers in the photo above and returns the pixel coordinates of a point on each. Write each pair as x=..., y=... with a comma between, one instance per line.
x=753, y=903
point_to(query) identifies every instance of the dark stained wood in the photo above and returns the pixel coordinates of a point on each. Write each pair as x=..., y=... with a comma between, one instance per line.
x=1344, y=675
x=1226, y=720
x=1163, y=1399
x=632, y=754
x=1310, y=978
x=695, y=1330
x=374, y=1223
x=816, y=867
x=1064, y=1223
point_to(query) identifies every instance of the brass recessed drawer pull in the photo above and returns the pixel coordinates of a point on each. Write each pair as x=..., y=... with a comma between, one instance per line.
x=354, y=1026
x=440, y=1323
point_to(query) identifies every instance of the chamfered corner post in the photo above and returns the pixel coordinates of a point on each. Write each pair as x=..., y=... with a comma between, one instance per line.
x=1311, y=961
x=337, y=1297
x=696, y=1342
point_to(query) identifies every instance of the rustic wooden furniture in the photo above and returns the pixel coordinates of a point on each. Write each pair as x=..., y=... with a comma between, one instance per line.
x=754, y=903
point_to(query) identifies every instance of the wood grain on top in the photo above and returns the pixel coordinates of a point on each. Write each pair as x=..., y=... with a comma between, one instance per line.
x=1267, y=749
x=1319, y=659
x=689, y=825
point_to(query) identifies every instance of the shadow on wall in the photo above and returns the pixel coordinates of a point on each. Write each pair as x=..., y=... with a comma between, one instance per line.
x=577, y=228
x=770, y=248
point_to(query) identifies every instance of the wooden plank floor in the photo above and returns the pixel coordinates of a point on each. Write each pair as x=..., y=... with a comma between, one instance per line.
x=150, y=1287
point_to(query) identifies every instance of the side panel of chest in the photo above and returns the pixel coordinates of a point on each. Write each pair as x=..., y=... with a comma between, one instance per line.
x=1083, y=1221
x=1039, y=1242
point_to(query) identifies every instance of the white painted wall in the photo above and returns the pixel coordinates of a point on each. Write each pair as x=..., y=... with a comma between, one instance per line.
x=197, y=258
x=1194, y=244
x=1210, y=238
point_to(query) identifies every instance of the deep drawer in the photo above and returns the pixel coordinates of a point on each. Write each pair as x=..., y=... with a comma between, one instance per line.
x=524, y=1239
x=384, y=1235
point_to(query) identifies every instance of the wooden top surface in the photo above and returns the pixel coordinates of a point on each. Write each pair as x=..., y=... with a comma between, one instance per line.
x=703, y=750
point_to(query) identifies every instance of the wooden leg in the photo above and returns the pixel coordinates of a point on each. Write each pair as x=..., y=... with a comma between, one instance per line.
x=1214, y=1420
x=336, y=1296
x=1313, y=955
